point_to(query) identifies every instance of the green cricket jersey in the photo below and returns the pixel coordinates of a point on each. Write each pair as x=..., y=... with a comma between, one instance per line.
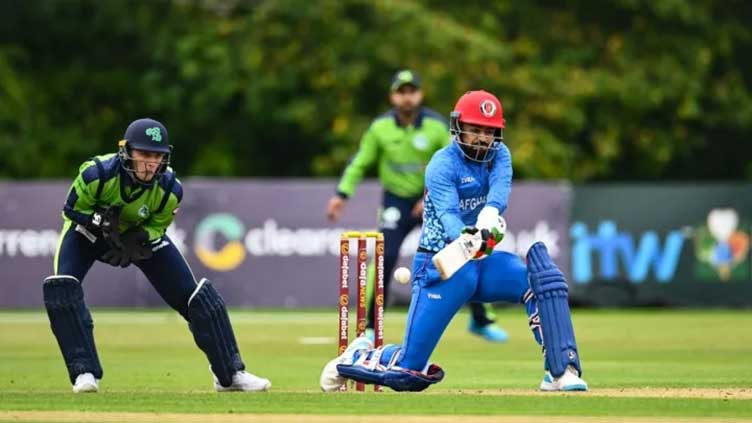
x=402, y=153
x=101, y=182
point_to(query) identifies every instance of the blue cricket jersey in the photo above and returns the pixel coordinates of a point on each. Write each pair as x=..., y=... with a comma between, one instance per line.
x=457, y=189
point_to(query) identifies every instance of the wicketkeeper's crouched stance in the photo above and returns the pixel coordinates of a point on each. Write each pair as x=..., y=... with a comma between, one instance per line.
x=117, y=211
x=474, y=171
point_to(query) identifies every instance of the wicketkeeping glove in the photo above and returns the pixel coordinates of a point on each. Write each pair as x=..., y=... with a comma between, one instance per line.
x=116, y=257
x=136, y=244
x=107, y=222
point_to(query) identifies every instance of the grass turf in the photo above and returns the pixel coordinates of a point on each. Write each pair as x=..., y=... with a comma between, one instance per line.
x=151, y=364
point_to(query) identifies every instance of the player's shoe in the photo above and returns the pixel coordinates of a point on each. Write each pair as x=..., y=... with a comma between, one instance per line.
x=490, y=332
x=569, y=381
x=86, y=383
x=330, y=379
x=370, y=334
x=245, y=382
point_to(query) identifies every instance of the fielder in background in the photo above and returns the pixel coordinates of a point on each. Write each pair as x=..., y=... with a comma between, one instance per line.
x=468, y=185
x=117, y=212
x=402, y=142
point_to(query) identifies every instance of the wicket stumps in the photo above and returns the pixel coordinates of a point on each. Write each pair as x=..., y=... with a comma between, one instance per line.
x=344, y=289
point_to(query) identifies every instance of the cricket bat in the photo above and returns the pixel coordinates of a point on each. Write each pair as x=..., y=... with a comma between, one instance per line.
x=452, y=257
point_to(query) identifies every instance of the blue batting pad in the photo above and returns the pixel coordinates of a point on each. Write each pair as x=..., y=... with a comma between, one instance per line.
x=551, y=293
x=377, y=367
x=72, y=325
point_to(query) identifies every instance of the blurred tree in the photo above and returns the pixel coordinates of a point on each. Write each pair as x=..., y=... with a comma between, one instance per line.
x=592, y=91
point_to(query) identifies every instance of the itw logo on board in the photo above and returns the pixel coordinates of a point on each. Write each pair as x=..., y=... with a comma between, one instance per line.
x=612, y=247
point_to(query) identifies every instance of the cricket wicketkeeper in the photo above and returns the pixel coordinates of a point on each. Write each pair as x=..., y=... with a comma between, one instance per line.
x=117, y=212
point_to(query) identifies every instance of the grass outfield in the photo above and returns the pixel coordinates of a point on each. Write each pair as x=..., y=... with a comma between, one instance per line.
x=676, y=365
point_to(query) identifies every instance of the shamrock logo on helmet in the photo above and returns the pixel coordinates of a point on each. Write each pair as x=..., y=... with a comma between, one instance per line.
x=154, y=133
x=488, y=108
x=405, y=76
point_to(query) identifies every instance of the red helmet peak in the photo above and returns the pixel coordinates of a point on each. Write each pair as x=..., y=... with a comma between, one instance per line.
x=480, y=108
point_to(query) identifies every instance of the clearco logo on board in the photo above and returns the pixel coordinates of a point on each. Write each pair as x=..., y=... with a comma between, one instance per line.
x=211, y=233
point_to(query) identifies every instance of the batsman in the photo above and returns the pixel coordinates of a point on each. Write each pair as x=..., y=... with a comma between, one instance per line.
x=468, y=184
x=117, y=212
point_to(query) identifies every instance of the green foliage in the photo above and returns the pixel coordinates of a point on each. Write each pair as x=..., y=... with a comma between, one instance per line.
x=618, y=90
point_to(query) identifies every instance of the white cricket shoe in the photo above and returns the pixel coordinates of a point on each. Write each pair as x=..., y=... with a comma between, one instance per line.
x=569, y=381
x=85, y=382
x=245, y=382
x=330, y=380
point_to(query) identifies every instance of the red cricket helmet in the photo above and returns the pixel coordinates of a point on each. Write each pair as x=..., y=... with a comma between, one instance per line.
x=479, y=108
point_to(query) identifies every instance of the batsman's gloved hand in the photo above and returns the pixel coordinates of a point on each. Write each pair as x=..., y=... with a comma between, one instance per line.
x=107, y=222
x=116, y=257
x=490, y=238
x=136, y=244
